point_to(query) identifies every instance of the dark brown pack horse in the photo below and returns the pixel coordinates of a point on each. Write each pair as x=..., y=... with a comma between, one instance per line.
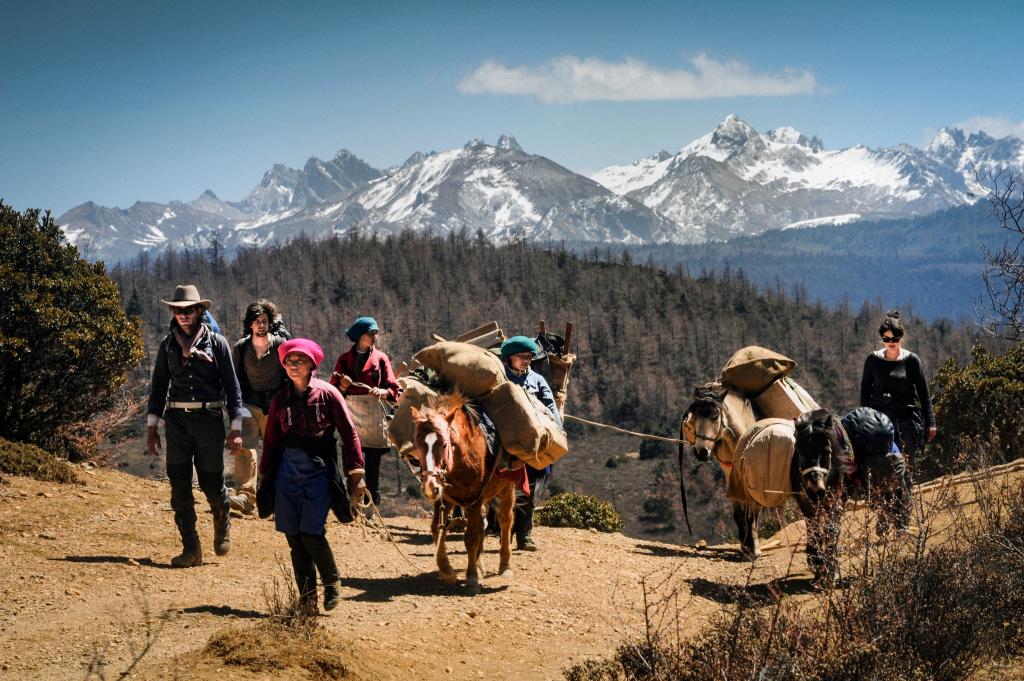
x=715, y=423
x=455, y=471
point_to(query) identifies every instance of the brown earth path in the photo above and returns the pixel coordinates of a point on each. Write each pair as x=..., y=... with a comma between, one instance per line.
x=86, y=567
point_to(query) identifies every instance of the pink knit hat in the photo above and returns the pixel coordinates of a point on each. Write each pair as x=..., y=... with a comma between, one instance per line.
x=303, y=346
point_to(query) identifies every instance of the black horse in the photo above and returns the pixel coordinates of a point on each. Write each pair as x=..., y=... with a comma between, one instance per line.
x=823, y=463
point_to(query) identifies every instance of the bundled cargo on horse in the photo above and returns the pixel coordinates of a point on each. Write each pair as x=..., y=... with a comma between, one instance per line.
x=415, y=393
x=763, y=376
x=525, y=428
x=470, y=369
x=762, y=469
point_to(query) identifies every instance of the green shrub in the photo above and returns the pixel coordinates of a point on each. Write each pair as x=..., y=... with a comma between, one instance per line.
x=981, y=399
x=581, y=511
x=20, y=458
x=65, y=343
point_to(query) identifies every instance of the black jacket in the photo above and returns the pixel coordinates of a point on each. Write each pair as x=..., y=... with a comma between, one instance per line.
x=197, y=381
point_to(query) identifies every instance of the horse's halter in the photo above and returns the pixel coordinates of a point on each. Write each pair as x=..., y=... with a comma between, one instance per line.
x=721, y=428
x=804, y=472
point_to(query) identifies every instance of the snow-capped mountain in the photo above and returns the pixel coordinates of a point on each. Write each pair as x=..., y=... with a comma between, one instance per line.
x=114, y=234
x=499, y=190
x=283, y=188
x=734, y=181
x=731, y=181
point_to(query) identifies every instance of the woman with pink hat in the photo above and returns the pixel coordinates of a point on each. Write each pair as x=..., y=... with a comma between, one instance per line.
x=300, y=466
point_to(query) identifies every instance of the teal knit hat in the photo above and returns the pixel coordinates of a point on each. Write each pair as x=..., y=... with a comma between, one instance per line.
x=360, y=326
x=517, y=344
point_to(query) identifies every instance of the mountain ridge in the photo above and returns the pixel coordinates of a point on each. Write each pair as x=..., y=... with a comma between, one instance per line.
x=730, y=182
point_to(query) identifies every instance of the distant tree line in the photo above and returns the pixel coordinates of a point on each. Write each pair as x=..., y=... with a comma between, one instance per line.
x=644, y=335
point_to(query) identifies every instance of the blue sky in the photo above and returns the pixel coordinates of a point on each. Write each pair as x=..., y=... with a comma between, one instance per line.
x=122, y=101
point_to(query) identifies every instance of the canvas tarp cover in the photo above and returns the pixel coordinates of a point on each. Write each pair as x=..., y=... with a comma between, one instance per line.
x=753, y=368
x=525, y=426
x=870, y=431
x=785, y=399
x=369, y=416
x=467, y=368
x=401, y=429
x=763, y=465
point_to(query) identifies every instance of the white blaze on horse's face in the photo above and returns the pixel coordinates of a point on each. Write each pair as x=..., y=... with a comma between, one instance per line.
x=431, y=487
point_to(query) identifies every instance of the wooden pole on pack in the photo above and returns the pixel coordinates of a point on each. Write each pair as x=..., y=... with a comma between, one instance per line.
x=568, y=337
x=543, y=327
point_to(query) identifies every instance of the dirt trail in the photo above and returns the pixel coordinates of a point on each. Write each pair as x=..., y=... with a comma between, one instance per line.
x=87, y=566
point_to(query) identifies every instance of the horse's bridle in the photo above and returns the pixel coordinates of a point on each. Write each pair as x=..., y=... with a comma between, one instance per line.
x=804, y=472
x=707, y=438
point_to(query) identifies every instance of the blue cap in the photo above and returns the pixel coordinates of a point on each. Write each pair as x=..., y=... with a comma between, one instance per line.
x=517, y=344
x=361, y=326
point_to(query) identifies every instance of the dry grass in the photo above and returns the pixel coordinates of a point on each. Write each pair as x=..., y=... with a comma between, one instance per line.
x=276, y=645
x=290, y=637
x=943, y=603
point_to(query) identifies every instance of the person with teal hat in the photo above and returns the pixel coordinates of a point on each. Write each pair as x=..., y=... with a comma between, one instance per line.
x=517, y=354
x=365, y=378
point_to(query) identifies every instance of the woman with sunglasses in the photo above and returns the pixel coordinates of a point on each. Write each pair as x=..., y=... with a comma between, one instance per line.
x=893, y=383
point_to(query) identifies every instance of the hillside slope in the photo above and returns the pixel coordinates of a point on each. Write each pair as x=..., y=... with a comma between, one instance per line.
x=86, y=568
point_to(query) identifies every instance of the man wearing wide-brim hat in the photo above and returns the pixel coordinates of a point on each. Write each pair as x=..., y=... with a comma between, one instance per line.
x=193, y=380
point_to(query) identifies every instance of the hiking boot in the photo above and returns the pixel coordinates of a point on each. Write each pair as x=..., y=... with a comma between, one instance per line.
x=222, y=531
x=191, y=554
x=526, y=545
x=332, y=595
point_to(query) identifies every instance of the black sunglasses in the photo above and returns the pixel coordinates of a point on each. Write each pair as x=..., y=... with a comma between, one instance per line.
x=891, y=339
x=186, y=310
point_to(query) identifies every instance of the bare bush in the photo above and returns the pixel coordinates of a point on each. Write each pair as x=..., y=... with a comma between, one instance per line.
x=940, y=602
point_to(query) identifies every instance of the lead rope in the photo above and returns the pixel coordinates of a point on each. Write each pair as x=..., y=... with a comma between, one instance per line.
x=367, y=503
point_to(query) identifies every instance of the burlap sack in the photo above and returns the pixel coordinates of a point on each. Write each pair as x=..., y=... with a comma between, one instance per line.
x=525, y=426
x=785, y=399
x=467, y=368
x=401, y=428
x=763, y=467
x=753, y=368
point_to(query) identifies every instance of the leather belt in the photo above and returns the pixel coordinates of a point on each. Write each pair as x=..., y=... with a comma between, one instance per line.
x=189, y=406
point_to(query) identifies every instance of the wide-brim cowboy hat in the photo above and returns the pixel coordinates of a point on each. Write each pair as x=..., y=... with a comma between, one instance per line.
x=187, y=296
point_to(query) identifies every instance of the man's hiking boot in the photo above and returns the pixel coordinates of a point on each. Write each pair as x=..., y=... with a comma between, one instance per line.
x=191, y=555
x=222, y=530
x=332, y=595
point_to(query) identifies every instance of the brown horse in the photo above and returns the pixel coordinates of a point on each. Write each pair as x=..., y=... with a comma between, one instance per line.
x=713, y=424
x=454, y=469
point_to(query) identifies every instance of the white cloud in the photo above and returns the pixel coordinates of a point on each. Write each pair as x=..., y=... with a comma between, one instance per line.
x=570, y=79
x=997, y=126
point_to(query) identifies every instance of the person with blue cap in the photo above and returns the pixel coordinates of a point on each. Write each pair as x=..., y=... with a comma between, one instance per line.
x=365, y=378
x=517, y=354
